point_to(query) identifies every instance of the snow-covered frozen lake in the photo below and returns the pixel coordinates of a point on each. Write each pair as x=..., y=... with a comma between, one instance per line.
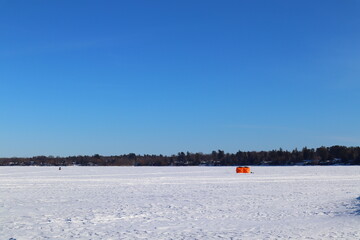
x=179, y=203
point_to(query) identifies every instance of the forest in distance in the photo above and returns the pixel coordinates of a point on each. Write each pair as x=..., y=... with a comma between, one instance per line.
x=340, y=155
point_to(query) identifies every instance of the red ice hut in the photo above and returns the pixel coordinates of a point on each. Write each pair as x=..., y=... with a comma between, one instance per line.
x=243, y=170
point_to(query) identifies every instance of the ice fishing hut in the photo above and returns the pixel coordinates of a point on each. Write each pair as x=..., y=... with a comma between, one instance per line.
x=243, y=170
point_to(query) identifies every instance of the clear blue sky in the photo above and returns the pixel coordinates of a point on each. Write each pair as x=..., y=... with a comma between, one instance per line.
x=113, y=77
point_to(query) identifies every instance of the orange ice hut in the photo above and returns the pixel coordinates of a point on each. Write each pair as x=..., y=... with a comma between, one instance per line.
x=243, y=170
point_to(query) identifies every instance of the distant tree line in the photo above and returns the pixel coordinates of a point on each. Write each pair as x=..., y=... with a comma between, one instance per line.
x=306, y=156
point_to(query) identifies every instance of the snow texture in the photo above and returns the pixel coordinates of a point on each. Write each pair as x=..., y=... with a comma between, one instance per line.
x=179, y=203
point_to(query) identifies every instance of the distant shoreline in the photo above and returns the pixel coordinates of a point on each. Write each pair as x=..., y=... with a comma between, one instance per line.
x=334, y=155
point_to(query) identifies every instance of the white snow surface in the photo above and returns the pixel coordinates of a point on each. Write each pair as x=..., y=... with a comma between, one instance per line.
x=312, y=202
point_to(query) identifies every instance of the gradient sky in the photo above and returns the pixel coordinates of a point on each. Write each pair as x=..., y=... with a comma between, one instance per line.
x=114, y=77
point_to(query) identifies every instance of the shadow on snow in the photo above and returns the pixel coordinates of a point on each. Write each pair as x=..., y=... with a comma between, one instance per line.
x=357, y=206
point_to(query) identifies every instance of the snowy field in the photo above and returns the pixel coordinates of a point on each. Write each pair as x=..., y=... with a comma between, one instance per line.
x=179, y=203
